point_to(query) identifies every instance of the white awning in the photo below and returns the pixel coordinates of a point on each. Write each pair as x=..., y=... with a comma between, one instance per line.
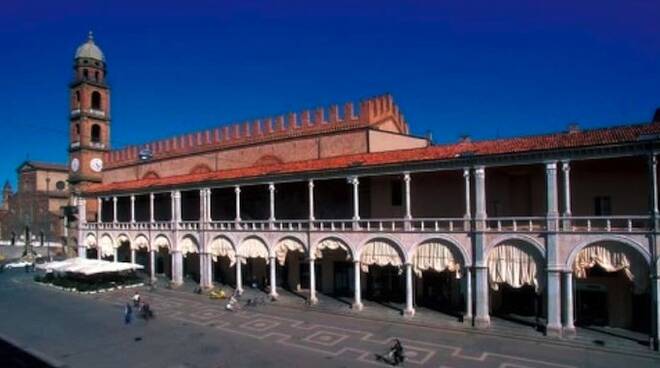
x=90, y=241
x=161, y=242
x=106, y=247
x=287, y=245
x=613, y=257
x=221, y=247
x=435, y=256
x=253, y=248
x=140, y=241
x=379, y=253
x=188, y=245
x=331, y=244
x=513, y=265
x=88, y=266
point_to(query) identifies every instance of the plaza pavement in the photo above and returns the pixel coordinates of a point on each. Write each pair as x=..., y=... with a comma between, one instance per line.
x=192, y=331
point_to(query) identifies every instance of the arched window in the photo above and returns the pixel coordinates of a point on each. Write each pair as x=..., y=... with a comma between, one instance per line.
x=96, y=133
x=77, y=96
x=96, y=100
x=85, y=74
x=77, y=129
x=96, y=76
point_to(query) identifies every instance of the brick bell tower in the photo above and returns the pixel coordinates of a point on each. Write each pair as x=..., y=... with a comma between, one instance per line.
x=89, y=124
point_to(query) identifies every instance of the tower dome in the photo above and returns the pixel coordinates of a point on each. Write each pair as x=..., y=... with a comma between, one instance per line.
x=89, y=50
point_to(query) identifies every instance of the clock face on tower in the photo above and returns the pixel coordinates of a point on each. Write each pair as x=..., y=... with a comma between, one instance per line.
x=75, y=165
x=96, y=165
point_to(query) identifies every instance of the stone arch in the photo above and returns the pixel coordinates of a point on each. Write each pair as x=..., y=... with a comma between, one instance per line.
x=519, y=238
x=253, y=246
x=222, y=246
x=438, y=254
x=381, y=251
x=123, y=237
x=90, y=241
x=188, y=244
x=140, y=241
x=161, y=241
x=609, y=238
x=332, y=242
x=521, y=252
x=287, y=244
x=106, y=245
x=633, y=254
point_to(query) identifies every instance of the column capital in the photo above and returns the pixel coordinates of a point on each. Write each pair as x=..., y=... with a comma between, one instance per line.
x=310, y=183
x=114, y=199
x=176, y=194
x=406, y=176
x=466, y=173
x=353, y=180
x=237, y=189
x=132, y=197
x=479, y=171
x=271, y=187
x=152, y=195
x=551, y=165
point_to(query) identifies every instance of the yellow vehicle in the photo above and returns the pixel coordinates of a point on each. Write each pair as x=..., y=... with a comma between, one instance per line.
x=217, y=294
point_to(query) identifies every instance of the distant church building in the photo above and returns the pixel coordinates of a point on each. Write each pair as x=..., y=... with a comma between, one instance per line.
x=557, y=228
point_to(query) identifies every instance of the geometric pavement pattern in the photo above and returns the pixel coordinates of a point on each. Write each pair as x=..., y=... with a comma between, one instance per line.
x=323, y=339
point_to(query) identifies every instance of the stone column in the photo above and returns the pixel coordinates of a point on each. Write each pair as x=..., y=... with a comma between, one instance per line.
x=177, y=205
x=357, y=302
x=312, y=282
x=273, y=281
x=151, y=208
x=653, y=173
x=132, y=209
x=177, y=268
x=237, y=190
x=310, y=185
x=132, y=255
x=99, y=210
x=356, y=200
x=553, y=294
x=202, y=208
x=467, y=318
x=209, y=217
x=152, y=265
x=98, y=251
x=271, y=193
x=569, y=328
x=81, y=203
x=406, y=182
x=467, y=216
x=114, y=210
x=206, y=272
x=566, y=168
x=239, y=275
x=410, y=310
x=114, y=255
x=482, y=318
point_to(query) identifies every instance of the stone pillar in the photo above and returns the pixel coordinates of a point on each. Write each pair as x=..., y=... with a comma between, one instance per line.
x=209, y=217
x=410, y=310
x=206, y=271
x=237, y=190
x=114, y=210
x=310, y=185
x=151, y=208
x=99, y=210
x=202, y=208
x=177, y=268
x=312, y=282
x=566, y=168
x=98, y=251
x=239, y=275
x=132, y=209
x=273, y=281
x=467, y=318
x=177, y=206
x=468, y=215
x=132, y=255
x=114, y=255
x=653, y=173
x=482, y=318
x=553, y=293
x=569, y=328
x=357, y=302
x=81, y=203
x=152, y=265
x=271, y=193
x=406, y=181
x=356, y=200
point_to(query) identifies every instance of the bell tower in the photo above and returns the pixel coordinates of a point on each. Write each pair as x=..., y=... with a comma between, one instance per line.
x=89, y=126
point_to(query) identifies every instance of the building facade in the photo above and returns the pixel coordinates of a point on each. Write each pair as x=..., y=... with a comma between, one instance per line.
x=559, y=227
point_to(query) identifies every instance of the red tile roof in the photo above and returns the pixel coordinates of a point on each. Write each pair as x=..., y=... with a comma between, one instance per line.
x=586, y=138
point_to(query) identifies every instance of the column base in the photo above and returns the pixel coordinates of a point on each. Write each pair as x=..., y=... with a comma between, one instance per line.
x=482, y=321
x=569, y=332
x=357, y=306
x=553, y=330
x=175, y=284
x=409, y=312
x=467, y=320
x=274, y=296
x=239, y=291
x=313, y=300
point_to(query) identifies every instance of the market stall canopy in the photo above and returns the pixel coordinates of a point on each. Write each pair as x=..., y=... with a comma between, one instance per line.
x=88, y=266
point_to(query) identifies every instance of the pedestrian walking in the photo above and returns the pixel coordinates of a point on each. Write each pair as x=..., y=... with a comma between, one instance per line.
x=136, y=299
x=128, y=313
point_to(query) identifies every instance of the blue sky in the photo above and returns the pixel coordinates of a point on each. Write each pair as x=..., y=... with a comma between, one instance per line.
x=484, y=68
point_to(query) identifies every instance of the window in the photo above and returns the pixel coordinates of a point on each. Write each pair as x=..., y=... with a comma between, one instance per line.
x=603, y=206
x=96, y=76
x=396, y=192
x=96, y=133
x=96, y=100
x=77, y=129
x=78, y=96
x=85, y=74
